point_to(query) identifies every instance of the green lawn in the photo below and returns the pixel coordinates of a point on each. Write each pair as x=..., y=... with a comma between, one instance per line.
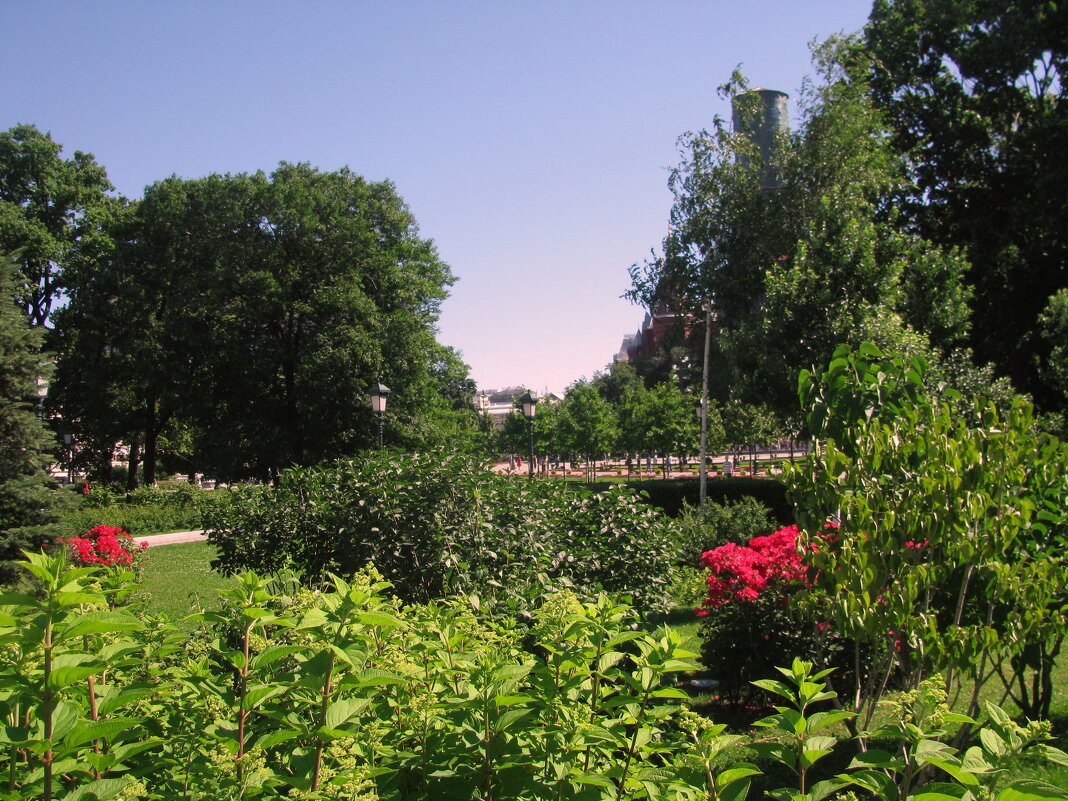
x=179, y=580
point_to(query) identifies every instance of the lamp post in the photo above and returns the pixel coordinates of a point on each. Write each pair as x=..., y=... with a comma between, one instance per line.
x=379, y=392
x=703, y=483
x=68, y=448
x=529, y=403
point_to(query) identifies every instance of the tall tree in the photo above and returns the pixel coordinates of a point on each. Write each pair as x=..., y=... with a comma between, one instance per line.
x=47, y=207
x=794, y=271
x=26, y=497
x=663, y=420
x=586, y=423
x=259, y=308
x=974, y=95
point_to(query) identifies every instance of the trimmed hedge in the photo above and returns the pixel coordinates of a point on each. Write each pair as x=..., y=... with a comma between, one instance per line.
x=443, y=523
x=672, y=495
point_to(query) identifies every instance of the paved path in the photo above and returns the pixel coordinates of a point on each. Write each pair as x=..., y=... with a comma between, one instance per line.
x=171, y=539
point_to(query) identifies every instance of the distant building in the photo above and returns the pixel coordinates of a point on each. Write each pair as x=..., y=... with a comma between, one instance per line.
x=762, y=114
x=655, y=327
x=499, y=403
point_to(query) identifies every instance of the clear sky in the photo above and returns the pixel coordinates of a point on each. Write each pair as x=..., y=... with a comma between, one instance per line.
x=532, y=140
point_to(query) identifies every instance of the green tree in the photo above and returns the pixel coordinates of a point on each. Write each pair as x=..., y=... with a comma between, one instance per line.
x=47, y=209
x=1053, y=326
x=256, y=310
x=614, y=383
x=663, y=420
x=793, y=271
x=974, y=97
x=949, y=556
x=747, y=425
x=27, y=496
x=587, y=424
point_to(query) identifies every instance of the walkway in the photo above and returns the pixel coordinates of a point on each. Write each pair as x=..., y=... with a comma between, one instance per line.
x=171, y=539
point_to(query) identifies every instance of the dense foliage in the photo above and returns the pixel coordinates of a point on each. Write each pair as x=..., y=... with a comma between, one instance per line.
x=973, y=97
x=145, y=511
x=950, y=556
x=50, y=213
x=797, y=268
x=240, y=320
x=347, y=694
x=699, y=529
x=27, y=498
x=440, y=523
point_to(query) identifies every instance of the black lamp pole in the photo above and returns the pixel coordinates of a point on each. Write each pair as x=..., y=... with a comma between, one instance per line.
x=530, y=402
x=379, y=392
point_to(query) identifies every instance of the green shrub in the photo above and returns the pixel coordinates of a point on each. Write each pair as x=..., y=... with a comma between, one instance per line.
x=146, y=511
x=436, y=524
x=348, y=694
x=697, y=529
x=673, y=495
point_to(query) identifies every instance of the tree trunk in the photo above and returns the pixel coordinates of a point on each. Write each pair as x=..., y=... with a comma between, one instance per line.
x=106, y=471
x=151, y=438
x=135, y=460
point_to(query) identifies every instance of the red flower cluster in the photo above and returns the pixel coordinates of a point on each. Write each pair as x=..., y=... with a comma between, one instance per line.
x=741, y=573
x=105, y=545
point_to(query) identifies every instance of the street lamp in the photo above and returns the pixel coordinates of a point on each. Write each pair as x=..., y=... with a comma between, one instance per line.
x=378, y=403
x=703, y=411
x=529, y=403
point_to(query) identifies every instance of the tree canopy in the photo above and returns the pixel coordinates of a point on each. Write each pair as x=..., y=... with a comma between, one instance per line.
x=973, y=97
x=48, y=206
x=26, y=498
x=254, y=310
x=796, y=269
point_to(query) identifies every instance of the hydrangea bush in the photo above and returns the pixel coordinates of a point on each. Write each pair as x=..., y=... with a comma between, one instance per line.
x=108, y=546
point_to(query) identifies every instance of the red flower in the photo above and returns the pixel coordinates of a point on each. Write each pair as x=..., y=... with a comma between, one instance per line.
x=742, y=573
x=104, y=545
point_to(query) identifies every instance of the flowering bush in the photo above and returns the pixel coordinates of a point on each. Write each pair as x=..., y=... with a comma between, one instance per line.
x=749, y=625
x=107, y=545
x=742, y=573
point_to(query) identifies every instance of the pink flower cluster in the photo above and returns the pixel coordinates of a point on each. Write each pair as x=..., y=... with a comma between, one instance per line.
x=741, y=573
x=105, y=545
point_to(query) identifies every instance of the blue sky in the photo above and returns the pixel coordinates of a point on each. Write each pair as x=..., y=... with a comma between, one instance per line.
x=532, y=140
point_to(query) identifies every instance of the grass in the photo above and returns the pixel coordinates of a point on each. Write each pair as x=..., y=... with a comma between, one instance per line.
x=179, y=580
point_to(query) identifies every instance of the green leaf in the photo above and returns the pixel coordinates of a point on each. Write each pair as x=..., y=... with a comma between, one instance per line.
x=956, y=771
x=732, y=775
x=669, y=692
x=1055, y=755
x=940, y=791
x=98, y=623
x=509, y=718
x=18, y=599
x=592, y=779
x=341, y=711
x=78, y=598
x=273, y=654
x=64, y=716
x=98, y=790
x=114, y=698
x=1031, y=790
x=376, y=677
x=255, y=696
x=876, y=758
x=821, y=790
x=878, y=782
x=65, y=676
x=511, y=700
x=99, y=730
x=380, y=619
x=775, y=686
